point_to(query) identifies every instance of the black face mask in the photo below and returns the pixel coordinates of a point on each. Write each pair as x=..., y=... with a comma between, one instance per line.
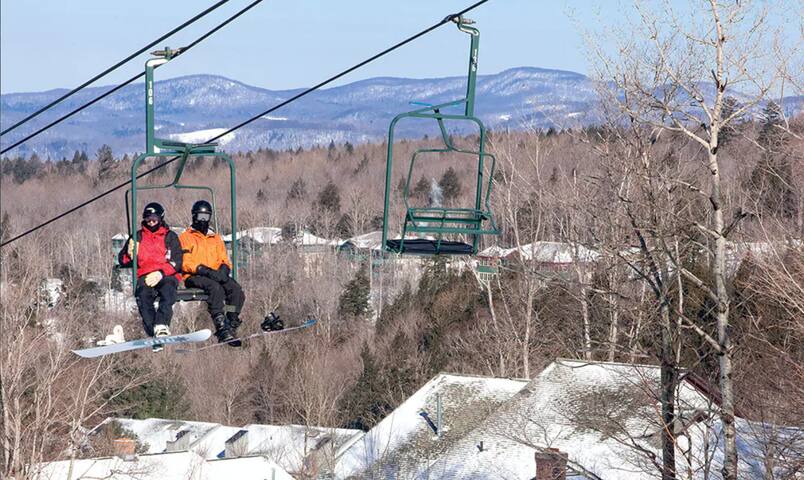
x=201, y=226
x=151, y=228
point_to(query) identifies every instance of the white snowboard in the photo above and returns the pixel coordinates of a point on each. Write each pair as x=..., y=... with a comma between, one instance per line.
x=94, y=352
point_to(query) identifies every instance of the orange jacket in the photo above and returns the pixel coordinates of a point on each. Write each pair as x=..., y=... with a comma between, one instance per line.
x=200, y=249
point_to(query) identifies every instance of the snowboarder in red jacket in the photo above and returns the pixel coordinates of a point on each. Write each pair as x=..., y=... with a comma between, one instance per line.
x=159, y=258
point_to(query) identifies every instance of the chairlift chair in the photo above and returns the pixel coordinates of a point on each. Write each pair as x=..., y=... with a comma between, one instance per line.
x=469, y=222
x=158, y=148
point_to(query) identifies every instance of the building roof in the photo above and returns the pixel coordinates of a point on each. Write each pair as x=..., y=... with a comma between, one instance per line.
x=184, y=465
x=545, y=252
x=404, y=439
x=287, y=445
x=264, y=235
x=605, y=417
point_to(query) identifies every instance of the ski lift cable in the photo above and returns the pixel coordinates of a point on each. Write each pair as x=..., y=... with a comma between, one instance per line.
x=115, y=66
x=130, y=80
x=252, y=119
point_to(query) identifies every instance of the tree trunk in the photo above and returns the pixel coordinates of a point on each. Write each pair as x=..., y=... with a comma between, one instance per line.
x=669, y=379
x=724, y=336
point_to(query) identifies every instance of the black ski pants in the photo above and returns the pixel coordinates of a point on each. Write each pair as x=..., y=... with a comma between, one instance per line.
x=165, y=291
x=228, y=291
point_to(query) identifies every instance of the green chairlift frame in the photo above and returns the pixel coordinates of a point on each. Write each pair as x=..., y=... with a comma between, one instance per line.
x=156, y=148
x=471, y=222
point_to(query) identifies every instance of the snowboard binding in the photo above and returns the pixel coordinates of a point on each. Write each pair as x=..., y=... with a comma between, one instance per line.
x=272, y=323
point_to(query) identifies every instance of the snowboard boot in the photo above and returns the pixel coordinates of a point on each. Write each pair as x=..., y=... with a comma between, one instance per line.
x=234, y=322
x=160, y=331
x=272, y=323
x=222, y=330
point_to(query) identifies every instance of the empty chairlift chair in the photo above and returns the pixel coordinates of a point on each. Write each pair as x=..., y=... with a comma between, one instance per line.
x=435, y=222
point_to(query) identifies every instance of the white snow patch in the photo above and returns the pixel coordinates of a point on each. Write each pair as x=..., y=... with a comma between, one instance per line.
x=200, y=136
x=505, y=117
x=279, y=119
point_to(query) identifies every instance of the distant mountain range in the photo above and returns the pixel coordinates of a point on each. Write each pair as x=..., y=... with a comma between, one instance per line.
x=197, y=107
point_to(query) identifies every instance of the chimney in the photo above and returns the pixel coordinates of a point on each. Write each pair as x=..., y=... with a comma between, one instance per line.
x=180, y=443
x=551, y=464
x=124, y=447
x=237, y=445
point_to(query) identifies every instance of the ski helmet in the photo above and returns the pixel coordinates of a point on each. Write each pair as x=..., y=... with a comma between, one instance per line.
x=202, y=214
x=153, y=209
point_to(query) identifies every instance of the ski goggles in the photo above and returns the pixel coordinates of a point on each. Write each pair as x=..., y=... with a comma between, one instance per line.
x=202, y=216
x=151, y=217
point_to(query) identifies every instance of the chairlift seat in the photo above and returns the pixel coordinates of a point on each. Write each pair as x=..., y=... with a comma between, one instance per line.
x=423, y=246
x=197, y=294
x=190, y=294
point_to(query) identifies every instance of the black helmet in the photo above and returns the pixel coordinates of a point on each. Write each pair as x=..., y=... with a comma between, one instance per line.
x=202, y=206
x=154, y=208
x=202, y=214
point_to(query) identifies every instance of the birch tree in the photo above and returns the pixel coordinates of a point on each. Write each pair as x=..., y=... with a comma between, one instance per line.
x=671, y=75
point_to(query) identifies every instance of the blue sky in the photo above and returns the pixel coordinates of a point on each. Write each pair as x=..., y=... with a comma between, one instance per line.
x=281, y=44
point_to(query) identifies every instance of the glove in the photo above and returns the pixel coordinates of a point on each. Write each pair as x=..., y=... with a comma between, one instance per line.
x=131, y=248
x=153, y=278
x=204, y=271
x=220, y=275
x=224, y=269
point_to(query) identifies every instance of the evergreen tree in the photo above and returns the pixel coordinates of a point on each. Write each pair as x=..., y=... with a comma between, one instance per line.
x=297, y=190
x=355, y=300
x=770, y=135
x=105, y=162
x=5, y=227
x=729, y=131
x=329, y=198
x=450, y=184
x=364, y=401
x=421, y=189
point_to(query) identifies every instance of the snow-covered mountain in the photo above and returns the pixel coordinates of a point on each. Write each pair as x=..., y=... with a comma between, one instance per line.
x=197, y=107
x=190, y=107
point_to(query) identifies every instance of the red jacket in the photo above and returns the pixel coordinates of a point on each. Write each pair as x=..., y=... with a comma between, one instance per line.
x=159, y=250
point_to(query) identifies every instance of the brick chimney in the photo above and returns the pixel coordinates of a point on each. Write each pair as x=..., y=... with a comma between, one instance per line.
x=237, y=445
x=180, y=443
x=551, y=464
x=124, y=447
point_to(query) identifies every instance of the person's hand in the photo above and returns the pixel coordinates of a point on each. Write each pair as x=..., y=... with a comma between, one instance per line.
x=131, y=248
x=153, y=278
x=221, y=275
x=204, y=271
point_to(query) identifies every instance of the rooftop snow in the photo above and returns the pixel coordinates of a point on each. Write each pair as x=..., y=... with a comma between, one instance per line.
x=404, y=438
x=167, y=466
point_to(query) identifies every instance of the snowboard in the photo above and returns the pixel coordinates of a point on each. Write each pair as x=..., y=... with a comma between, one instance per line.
x=308, y=323
x=95, y=352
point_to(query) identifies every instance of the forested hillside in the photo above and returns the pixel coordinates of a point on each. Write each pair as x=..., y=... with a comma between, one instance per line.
x=372, y=347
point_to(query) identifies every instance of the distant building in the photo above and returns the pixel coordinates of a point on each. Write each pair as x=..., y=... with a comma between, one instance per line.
x=176, y=448
x=550, y=258
x=576, y=419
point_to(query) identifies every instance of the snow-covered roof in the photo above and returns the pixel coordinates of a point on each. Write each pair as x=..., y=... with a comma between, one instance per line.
x=185, y=465
x=119, y=236
x=289, y=445
x=265, y=235
x=307, y=239
x=405, y=438
x=367, y=241
x=603, y=415
x=545, y=252
x=157, y=432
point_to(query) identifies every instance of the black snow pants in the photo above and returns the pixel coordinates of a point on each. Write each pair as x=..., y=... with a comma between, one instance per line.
x=165, y=291
x=228, y=291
